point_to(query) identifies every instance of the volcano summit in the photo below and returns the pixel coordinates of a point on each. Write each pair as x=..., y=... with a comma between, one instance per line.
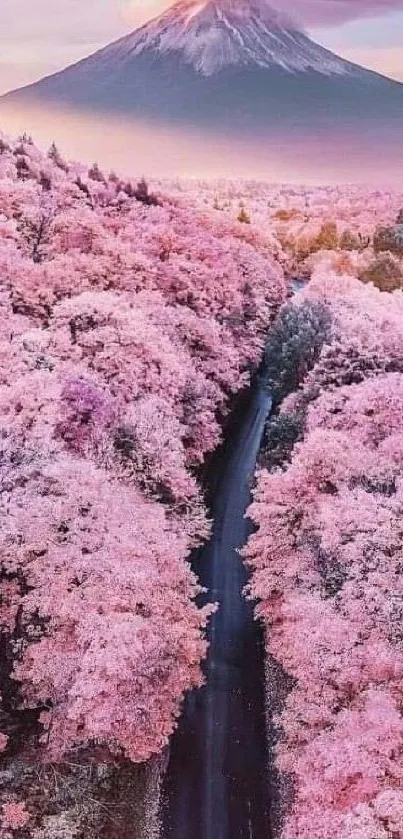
x=211, y=35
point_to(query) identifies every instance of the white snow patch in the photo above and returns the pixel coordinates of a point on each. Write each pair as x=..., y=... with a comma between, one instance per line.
x=194, y=10
x=214, y=34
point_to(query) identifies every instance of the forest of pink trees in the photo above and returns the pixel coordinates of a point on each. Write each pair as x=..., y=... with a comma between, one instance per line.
x=130, y=316
x=327, y=560
x=127, y=320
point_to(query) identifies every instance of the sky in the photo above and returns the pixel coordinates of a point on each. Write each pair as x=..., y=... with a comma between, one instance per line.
x=41, y=36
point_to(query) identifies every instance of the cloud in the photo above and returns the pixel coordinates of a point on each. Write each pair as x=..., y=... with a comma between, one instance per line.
x=333, y=12
x=100, y=21
x=308, y=12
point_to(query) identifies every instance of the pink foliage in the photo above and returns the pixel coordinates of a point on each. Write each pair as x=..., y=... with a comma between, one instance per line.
x=85, y=414
x=124, y=330
x=121, y=638
x=14, y=815
x=327, y=561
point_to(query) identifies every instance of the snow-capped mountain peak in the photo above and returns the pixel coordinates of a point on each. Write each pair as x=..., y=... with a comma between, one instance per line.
x=214, y=34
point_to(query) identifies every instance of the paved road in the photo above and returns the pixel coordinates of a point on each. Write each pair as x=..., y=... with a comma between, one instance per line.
x=216, y=785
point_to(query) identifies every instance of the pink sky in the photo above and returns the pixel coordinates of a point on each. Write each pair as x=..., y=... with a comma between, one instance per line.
x=40, y=36
x=309, y=11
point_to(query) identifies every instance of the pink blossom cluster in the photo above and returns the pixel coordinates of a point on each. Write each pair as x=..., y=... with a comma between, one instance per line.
x=14, y=816
x=293, y=209
x=327, y=563
x=125, y=326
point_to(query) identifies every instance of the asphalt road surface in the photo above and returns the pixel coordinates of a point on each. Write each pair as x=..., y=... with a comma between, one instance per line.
x=216, y=785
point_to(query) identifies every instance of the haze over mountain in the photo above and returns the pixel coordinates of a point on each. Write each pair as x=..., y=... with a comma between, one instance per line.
x=237, y=68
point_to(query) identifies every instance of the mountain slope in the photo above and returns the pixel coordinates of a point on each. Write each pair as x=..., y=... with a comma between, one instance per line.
x=227, y=65
x=214, y=34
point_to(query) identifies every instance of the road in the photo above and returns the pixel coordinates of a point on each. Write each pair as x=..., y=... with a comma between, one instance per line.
x=216, y=785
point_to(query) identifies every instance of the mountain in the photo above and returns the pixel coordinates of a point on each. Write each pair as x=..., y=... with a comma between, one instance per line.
x=236, y=67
